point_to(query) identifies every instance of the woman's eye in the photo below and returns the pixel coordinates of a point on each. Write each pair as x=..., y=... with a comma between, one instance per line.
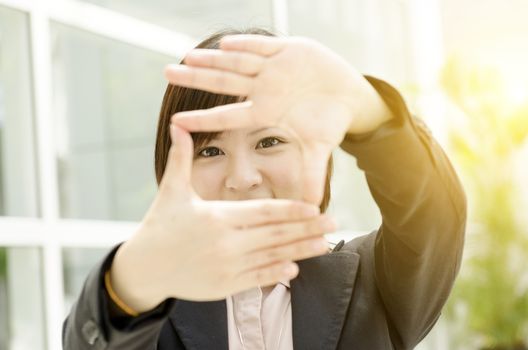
x=268, y=142
x=209, y=152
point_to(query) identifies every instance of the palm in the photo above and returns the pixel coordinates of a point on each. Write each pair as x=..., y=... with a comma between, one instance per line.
x=297, y=98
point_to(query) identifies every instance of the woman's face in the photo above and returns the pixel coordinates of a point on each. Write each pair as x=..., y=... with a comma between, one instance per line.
x=248, y=163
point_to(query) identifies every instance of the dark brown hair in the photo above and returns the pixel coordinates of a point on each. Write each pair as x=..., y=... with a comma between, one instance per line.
x=178, y=99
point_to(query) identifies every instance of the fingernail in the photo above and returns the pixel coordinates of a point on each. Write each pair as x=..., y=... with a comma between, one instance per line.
x=228, y=38
x=177, y=67
x=329, y=225
x=172, y=133
x=177, y=71
x=290, y=270
x=320, y=245
x=168, y=68
x=311, y=211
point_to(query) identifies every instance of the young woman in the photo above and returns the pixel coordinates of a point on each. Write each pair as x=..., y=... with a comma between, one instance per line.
x=231, y=253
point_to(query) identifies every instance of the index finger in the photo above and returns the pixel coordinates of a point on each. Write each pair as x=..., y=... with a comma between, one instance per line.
x=263, y=45
x=256, y=212
x=224, y=117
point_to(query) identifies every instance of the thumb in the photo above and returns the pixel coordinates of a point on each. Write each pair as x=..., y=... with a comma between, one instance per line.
x=177, y=175
x=315, y=169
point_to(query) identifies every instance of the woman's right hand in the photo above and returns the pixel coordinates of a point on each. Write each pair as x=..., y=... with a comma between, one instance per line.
x=192, y=249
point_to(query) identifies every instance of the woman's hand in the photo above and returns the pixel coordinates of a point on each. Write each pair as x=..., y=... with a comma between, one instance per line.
x=192, y=249
x=294, y=83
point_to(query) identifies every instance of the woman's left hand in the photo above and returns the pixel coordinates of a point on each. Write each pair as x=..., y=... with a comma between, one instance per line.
x=290, y=82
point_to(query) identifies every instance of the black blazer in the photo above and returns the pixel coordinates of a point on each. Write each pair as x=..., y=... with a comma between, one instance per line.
x=384, y=290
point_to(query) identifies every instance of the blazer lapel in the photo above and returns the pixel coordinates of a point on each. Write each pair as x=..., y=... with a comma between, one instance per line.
x=320, y=296
x=201, y=325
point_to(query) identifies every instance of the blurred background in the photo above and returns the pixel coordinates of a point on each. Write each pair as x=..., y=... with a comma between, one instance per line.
x=80, y=90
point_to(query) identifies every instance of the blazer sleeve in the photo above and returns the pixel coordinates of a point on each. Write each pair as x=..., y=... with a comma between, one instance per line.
x=418, y=248
x=89, y=326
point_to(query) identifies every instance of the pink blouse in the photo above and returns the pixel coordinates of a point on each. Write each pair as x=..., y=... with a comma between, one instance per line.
x=260, y=318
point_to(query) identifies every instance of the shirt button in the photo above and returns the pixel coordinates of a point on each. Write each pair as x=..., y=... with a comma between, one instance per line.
x=90, y=332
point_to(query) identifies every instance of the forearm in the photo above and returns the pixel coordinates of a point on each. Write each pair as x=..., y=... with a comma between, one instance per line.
x=409, y=175
x=419, y=245
x=127, y=272
x=374, y=110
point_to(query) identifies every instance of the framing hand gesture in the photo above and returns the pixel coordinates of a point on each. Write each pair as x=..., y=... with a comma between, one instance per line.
x=193, y=249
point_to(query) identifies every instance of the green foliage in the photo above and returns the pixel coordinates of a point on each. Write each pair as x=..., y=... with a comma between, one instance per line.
x=3, y=262
x=490, y=298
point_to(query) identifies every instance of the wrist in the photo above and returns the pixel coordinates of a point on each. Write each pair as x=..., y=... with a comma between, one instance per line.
x=118, y=307
x=127, y=282
x=371, y=113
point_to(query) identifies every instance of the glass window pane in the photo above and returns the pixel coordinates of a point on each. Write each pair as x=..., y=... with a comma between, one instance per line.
x=107, y=97
x=77, y=263
x=351, y=203
x=195, y=18
x=18, y=195
x=370, y=34
x=21, y=299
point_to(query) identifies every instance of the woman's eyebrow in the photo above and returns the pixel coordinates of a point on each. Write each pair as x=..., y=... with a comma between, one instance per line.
x=277, y=131
x=217, y=136
x=258, y=130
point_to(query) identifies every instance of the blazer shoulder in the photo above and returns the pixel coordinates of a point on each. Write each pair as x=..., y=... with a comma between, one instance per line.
x=361, y=244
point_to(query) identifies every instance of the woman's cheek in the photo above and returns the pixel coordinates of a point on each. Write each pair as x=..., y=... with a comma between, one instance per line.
x=285, y=175
x=206, y=181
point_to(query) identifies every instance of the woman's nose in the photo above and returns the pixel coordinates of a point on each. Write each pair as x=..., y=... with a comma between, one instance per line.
x=242, y=175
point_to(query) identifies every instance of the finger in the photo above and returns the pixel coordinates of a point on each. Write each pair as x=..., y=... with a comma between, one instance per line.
x=315, y=164
x=257, y=212
x=294, y=251
x=177, y=174
x=236, y=62
x=266, y=236
x=257, y=44
x=208, y=79
x=225, y=117
x=268, y=275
